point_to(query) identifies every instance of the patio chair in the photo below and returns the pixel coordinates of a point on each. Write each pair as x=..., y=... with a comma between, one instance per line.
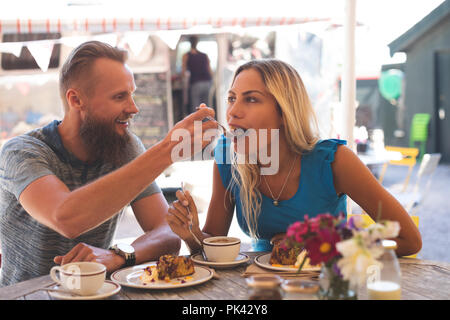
x=408, y=158
x=410, y=200
x=419, y=132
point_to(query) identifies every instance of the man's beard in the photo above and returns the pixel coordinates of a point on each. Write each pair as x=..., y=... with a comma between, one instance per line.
x=103, y=142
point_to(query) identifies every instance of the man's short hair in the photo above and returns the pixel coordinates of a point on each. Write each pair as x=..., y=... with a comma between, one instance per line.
x=79, y=63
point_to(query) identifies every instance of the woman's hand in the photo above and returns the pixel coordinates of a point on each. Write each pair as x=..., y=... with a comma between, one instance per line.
x=181, y=212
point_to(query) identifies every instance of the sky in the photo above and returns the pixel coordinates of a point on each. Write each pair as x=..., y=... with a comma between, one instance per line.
x=391, y=18
x=386, y=20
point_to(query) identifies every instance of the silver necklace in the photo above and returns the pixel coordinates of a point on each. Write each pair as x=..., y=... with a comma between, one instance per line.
x=275, y=200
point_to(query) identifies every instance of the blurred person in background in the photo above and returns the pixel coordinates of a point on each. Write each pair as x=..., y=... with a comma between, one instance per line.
x=200, y=75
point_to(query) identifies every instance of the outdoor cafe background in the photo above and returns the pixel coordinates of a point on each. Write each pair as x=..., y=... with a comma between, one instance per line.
x=318, y=40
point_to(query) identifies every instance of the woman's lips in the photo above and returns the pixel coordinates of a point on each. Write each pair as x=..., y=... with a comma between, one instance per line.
x=235, y=127
x=238, y=131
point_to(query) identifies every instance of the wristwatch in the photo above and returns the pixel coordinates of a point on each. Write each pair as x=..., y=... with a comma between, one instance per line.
x=126, y=251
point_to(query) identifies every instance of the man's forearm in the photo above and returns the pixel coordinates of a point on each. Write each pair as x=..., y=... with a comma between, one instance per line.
x=155, y=243
x=92, y=204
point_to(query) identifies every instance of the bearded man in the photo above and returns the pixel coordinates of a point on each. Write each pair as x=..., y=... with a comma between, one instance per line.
x=63, y=187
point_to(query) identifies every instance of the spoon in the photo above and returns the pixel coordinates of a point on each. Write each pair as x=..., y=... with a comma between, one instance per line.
x=235, y=133
x=190, y=228
x=57, y=290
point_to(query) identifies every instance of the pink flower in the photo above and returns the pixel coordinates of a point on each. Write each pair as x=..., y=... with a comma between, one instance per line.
x=321, y=236
x=327, y=220
x=322, y=248
x=292, y=230
x=297, y=230
x=314, y=225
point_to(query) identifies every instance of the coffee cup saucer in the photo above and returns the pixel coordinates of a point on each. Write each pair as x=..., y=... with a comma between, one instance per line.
x=240, y=259
x=108, y=289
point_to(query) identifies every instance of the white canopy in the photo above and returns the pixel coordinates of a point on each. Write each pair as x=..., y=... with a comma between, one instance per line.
x=22, y=16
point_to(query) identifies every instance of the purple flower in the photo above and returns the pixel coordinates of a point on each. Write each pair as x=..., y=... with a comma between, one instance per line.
x=336, y=270
x=351, y=223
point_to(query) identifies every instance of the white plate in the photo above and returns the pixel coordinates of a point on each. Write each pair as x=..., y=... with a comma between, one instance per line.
x=108, y=289
x=130, y=277
x=263, y=261
x=241, y=258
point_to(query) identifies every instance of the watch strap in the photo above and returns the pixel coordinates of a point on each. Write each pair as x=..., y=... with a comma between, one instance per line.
x=130, y=258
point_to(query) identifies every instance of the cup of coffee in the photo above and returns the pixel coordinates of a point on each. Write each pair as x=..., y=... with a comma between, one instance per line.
x=83, y=278
x=222, y=248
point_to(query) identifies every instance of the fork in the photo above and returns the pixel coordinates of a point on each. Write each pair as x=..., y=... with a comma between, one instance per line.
x=190, y=228
x=220, y=125
x=230, y=134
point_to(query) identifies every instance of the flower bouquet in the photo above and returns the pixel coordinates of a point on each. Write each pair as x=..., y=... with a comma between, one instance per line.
x=343, y=248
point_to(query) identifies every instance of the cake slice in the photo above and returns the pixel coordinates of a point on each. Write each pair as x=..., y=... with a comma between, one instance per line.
x=284, y=256
x=170, y=266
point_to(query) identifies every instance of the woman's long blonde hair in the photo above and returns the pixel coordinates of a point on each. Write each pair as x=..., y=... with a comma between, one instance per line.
x=300, y=129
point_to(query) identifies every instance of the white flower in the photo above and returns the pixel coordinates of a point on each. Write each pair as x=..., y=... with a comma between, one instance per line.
x=375, y=231
x=360, y=252
x=355, y=261
x=384, y=230
x=347, y=247
x=391, y=230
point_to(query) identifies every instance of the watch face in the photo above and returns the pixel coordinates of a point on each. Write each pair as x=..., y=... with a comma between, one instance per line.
x=125, y=248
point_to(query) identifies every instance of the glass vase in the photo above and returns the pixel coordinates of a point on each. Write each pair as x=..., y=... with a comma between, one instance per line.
x=333, y=287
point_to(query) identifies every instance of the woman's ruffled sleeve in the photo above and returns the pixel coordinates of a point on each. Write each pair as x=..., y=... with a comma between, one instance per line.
x=326, y=149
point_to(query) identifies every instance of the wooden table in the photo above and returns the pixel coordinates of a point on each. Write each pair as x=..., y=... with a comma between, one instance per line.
x=422, y=279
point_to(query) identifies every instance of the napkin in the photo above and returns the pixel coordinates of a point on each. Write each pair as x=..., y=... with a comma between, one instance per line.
x=253, y=269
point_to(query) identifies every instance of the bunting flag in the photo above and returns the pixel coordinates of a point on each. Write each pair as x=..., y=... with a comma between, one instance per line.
x=135, y=31
x=136, y=41
x=11, y=47
x=41, y=52
x=171, y=38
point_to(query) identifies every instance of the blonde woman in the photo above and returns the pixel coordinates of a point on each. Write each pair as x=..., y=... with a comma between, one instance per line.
x=314, y=176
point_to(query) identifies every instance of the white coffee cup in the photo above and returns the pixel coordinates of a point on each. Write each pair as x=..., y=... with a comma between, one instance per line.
x=83, y=278
x=221, y=248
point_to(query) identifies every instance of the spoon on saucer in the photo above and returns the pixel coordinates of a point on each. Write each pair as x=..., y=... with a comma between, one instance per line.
x=57, y=290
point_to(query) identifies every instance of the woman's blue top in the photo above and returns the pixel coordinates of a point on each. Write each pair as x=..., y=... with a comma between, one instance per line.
x=315, y=194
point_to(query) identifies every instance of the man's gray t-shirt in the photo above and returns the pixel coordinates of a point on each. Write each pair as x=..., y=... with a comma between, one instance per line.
x=28, y=247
